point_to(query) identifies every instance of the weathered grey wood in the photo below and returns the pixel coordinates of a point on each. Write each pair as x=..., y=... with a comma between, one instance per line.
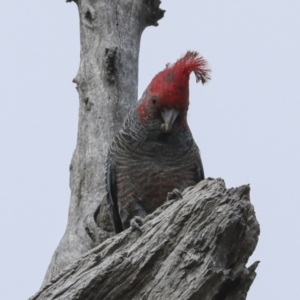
x=110, y=33
x=193, y=248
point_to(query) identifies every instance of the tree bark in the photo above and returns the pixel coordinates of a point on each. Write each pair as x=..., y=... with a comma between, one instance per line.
x=107, y=80
x=193, y=248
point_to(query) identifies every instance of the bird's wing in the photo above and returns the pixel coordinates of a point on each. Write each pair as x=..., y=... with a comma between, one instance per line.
x=199, y=166
x=112, y=192
x=200, y=169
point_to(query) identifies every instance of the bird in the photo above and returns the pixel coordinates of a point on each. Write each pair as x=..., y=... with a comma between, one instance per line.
x=154, y=152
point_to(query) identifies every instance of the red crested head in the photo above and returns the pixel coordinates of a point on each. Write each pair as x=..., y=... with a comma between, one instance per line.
x=169, y=89
x=172, y=84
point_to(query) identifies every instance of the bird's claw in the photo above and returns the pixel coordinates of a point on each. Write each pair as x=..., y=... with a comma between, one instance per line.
x=136, y=223
x=174, y=195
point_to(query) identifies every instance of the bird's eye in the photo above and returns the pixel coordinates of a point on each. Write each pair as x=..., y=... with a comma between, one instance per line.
x=153, y=100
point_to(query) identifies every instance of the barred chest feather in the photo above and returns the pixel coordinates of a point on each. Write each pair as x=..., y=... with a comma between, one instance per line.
x=145, y=171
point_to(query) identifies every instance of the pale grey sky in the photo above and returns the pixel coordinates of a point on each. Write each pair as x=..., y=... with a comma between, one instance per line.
x=245, y=121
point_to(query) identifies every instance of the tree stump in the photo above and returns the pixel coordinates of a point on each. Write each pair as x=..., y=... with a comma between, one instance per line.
x=193, y=248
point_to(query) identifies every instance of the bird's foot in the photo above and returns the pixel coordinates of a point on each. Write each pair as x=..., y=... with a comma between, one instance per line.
x=174, y=195
x=136, y=223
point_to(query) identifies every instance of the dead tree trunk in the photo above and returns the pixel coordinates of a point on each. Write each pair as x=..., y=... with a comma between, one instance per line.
x=193, y=248
x=110, y=33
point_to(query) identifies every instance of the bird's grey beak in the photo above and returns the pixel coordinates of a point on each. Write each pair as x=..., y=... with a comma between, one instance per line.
x=169, y=116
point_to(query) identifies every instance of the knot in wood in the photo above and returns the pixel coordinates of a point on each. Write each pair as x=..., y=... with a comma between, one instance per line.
x=110, y=64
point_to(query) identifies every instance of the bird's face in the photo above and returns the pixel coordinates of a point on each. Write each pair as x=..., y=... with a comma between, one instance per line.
x=159, y=110
x=165, y=102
